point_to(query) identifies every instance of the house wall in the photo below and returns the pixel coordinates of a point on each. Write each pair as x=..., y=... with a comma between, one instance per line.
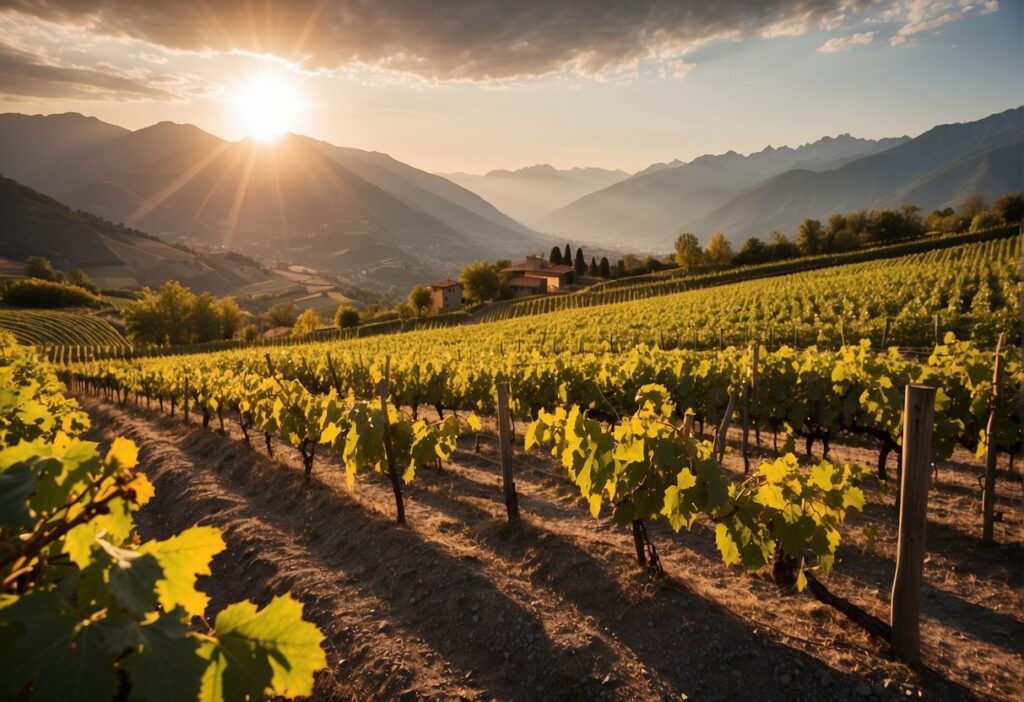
x=446, y=299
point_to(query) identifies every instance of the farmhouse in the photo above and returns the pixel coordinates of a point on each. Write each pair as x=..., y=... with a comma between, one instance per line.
x=555, y=276
x=445, y=296
x=524, y=286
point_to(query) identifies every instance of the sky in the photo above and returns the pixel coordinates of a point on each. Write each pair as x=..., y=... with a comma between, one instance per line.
x=475, y=85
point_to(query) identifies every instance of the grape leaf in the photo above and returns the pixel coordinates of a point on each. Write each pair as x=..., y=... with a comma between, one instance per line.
x=254, y=651
x=183, y=558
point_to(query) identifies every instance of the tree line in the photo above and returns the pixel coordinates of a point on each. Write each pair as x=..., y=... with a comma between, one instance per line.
x=847, y=232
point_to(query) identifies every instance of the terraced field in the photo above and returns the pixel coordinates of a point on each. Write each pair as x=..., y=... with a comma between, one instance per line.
x=59, y=328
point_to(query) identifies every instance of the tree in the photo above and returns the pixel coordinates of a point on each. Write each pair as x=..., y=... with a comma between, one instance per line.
x=973, y=205
x=688, y=252
x=164, y=317
x=481, y=281
x=555, y=259
x=282, y=314
x=306, y=323
x=419, y=299
x=985, y=220
x=753, y=251
x=1009, y=208
x=592, y=269
x=719, y=250
x=232, y=319
x=580, y=264
x=405, y=312
x=567, y=256
x=604, y=270
x=40, y=267
x=810, y=237
x=620, y=267
x=205, y=319
x=346, y=317
x=781, y=247
x=79, y=278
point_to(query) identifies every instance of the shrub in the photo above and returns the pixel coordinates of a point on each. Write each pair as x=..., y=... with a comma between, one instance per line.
x=44, y=293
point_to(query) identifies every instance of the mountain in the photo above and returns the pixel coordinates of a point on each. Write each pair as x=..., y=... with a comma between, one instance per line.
x=939, y=168
x=649, y=209
x=530, y=193
x=27, y=142
x=112, y=255
x=364, y=216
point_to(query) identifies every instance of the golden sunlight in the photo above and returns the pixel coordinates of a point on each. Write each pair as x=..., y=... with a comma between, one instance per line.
x=267, y=106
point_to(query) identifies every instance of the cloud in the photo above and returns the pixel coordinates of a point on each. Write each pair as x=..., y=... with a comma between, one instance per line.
x=927, y=15
x=26, y=73
x=477, y=40
x=836, y=44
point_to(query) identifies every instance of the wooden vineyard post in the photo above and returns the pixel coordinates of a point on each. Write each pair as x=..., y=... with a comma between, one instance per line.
x=885, y=332
x=723, y=429
x=746, y=423
x=753, y=387
x=936, y=328
x=389, y=449
x=184, y=400
x=988, y=497
x=918, y=418
x=505, y=438
x=334, y=373
x=721, y=339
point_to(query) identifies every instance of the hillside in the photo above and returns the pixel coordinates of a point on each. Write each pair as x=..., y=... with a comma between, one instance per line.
x=112, y=255
x=364, y=216
x=936, y=169
x=650, y=208
x=528, y=194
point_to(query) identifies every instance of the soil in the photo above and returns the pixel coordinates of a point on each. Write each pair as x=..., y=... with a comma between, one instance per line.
x=457, y=605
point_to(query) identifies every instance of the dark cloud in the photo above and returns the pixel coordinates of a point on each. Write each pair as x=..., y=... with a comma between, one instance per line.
x=28, y=74
x=442, y=39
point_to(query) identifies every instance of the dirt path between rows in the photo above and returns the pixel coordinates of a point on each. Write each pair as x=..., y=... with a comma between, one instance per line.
x=457, y=606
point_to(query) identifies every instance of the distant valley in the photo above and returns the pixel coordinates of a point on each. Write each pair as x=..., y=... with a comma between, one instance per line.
x=528, y=194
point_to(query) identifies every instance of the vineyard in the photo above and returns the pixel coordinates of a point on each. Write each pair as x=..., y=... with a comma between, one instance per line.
x=56, y=328
x=616, y=427
x=741, y=439
x=961, y=284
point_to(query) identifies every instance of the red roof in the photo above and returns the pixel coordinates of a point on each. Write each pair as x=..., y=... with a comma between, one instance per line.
x=539, y=266
x=444, y=284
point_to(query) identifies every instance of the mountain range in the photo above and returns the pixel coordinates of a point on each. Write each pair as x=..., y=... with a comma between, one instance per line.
x=379, y=224
x=652, y=207
x=750, y=195
x=112, y=255
x=530, y=193
x=362, y=215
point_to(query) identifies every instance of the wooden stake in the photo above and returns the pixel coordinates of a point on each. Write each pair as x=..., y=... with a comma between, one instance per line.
x=988, y=497
x=505, y=439
x=918, y=419
x=885, y=332
x=389, y=450
x=334, y=374
x=723, y=429
x=184, y=401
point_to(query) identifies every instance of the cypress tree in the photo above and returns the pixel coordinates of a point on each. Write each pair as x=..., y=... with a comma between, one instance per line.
x=567, y=256
x=592, y=270
x=604, y=268
x=556, y=256
x=580, y=263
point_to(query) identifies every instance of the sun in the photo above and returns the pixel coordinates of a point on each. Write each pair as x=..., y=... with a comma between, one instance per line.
x=267, y=106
